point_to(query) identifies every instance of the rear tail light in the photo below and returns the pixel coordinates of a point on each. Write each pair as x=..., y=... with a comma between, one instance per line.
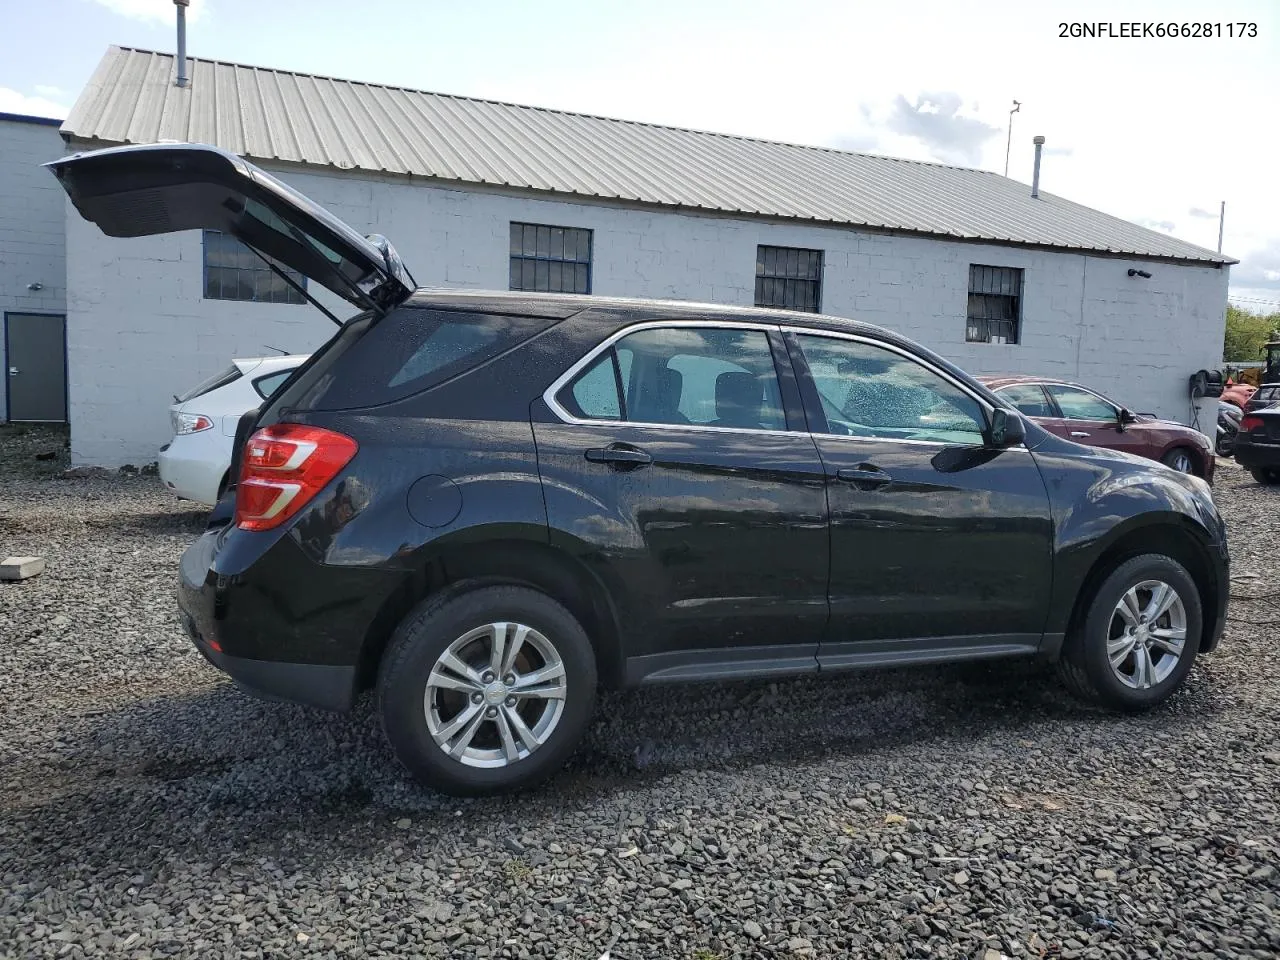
x=285, y=466
x=1249, y=424
x=184, y=423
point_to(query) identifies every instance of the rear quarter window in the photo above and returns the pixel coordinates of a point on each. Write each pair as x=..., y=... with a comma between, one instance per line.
x=406, y=352
x=272, y=382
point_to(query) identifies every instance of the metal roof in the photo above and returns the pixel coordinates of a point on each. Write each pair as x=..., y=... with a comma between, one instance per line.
x=269, y=114
x=27, y=118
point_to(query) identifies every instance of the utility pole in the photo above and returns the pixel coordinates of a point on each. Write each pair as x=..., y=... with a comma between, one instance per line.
x=1009, y=140
x=1222, y=219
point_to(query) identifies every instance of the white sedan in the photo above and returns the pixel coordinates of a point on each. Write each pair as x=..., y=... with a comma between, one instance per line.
x=194, y=463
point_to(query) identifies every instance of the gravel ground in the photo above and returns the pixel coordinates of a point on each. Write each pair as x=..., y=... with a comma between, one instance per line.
x=149, y=809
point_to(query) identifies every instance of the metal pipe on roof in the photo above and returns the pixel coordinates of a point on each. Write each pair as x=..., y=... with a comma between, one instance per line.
x=1035, y=174
x=182, y=41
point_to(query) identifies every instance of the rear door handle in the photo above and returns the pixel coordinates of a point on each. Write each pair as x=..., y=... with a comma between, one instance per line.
x=619, y=454
x=864, y=475
x=1079, y=433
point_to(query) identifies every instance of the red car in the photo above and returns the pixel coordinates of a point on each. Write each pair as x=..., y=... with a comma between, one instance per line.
x=1238, y=394
x=1077, y=413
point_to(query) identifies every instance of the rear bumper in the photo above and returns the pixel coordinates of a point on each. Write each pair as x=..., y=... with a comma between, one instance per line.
x=190, y=477
x=1257, y=455
x=311, y=684
x=224, y=626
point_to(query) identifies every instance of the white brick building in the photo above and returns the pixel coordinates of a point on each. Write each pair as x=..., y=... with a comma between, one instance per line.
x=670, y=213
x=33, y=263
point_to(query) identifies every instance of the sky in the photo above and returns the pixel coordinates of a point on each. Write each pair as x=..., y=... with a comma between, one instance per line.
x=1157, y=131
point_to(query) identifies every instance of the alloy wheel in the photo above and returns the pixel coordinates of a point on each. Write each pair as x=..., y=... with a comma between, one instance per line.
x=1147, y=635
x=495, y=695
x=1181, y=461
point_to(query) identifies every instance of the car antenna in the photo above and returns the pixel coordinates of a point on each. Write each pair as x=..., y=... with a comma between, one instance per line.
x=283, y=353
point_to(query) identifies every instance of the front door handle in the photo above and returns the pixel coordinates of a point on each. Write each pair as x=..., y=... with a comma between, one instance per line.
x=13, y=371
x=1079, y=433
x=619, y=454
x=864, y=475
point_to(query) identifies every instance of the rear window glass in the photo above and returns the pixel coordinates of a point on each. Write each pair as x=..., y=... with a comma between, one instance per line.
x=406, y=352
x=219, y=379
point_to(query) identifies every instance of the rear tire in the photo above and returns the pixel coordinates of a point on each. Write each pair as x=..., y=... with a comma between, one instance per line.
x=465, y=729
x=1115, y=658
x=1264, y=475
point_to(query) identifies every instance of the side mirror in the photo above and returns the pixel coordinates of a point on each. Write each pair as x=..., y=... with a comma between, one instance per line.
x=1125, y=415
x=1007, y=428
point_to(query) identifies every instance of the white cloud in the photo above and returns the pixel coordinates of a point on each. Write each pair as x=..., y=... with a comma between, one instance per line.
x=934, y=119
x=57, y=94
x=1259, y=268
x=12, y=101
x=151, y=11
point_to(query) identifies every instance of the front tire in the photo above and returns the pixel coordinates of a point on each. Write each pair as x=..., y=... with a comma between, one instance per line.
x=1181, y=459
x=486, y=691
x=1264, y=475
x=1138, y=637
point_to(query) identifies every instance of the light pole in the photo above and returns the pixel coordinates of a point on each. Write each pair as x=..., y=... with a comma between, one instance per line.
x=1222, y=220
x=1009, y=140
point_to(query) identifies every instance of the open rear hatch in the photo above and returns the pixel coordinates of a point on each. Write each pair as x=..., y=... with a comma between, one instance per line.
x=140, y=191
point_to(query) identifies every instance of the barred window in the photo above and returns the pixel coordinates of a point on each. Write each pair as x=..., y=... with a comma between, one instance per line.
x=553, y=259
x=789, y=277
x=995, y=304
x=234, y=272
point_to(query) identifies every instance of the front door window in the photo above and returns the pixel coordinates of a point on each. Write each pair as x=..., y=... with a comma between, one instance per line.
x=871, y=391
x=1077, y=404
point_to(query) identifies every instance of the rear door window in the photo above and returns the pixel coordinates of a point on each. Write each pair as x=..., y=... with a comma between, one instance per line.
x=1029, y=398
x=678, y=376
x=408, y=351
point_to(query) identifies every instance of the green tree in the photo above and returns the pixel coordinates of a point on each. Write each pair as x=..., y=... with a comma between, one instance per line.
x=1246, y=334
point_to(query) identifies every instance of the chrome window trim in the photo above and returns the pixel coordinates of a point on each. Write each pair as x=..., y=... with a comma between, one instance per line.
x=894, y=348
x=932, y=368
x=560, y=382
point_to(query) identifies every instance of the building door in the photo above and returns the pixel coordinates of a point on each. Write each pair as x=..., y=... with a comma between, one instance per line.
x=36, y=355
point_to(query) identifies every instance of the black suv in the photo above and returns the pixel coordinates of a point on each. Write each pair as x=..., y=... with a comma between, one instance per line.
x=482, y=504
